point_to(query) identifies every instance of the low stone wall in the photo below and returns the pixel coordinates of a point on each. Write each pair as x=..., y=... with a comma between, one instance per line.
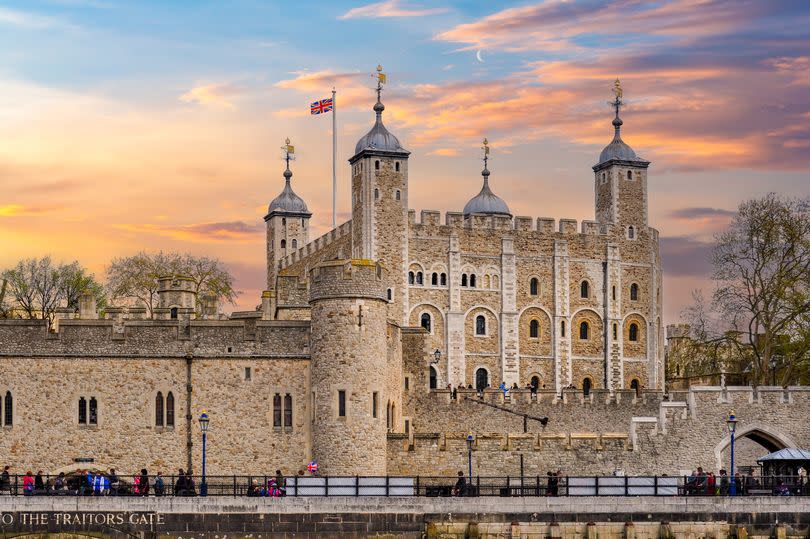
x=542, y=518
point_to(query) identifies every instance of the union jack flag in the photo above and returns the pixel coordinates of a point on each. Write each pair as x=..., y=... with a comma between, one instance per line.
x=313, y=466
x=321, y=107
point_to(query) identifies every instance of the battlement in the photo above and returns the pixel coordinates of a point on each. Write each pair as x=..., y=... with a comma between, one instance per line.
x=542, y=225
x=315, y=246
x=355, y=278
x=117, y=337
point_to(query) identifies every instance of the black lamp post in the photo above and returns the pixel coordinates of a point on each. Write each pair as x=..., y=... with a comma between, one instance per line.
x=204, y=428
x=437, y=355
x=731, y=423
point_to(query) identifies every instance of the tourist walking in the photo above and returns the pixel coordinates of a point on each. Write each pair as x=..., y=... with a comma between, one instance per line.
x=144, y=482
x=281, y=483
x=460, y=488
x=160, y=485
x=39, y=483
x=114, y=482
x=28, y=484
x=5, y=480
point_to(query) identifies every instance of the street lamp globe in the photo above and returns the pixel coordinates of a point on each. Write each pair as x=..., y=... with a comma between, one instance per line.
x=204, y=421
x=731, y=423
x=437, y=355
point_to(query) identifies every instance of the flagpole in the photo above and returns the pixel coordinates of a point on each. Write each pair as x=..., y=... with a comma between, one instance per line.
x=334, y=160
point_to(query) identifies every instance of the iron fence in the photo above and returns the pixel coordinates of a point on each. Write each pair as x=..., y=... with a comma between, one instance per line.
x=270, y=486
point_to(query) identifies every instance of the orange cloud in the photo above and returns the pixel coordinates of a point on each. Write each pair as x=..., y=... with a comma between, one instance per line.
x=390, y=8
x=201, y=232
x=212, y=94
x=20, y=210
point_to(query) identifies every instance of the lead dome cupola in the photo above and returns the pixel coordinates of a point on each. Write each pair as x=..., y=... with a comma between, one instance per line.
x=287, y=202
x=379, y=138
x=486, y=202
x=618, y=150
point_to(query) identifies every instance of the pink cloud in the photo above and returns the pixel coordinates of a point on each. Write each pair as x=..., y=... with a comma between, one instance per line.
x=390, y=8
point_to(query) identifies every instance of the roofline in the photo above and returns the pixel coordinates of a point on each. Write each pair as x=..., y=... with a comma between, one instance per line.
x=286, y=214
x=610, y=162
x=377, y=153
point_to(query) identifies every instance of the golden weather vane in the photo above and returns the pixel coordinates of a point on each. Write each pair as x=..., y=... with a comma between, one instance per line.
x=485, y=147
x=289, y=151
x=617, y=88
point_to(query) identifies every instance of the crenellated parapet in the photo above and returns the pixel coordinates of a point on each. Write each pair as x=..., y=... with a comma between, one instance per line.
x=127, y=338
x=541, y=225
x=314, y=247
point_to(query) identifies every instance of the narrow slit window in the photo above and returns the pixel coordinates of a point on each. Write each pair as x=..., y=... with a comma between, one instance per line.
x=82, y=411
x=170, y=409
x=277, y=410
x=534, y=329
x=288, y=411
x=534, y=286
x=341, y=403
x=9, y=411
x=374, y=403
x=480, y=325
x=159, y=409
x=92, y=414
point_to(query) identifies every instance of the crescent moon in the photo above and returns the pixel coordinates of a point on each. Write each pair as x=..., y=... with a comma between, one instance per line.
x=479, y=57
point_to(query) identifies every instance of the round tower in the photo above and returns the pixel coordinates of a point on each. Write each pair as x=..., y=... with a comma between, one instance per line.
x=177, y=298
x=348, y=366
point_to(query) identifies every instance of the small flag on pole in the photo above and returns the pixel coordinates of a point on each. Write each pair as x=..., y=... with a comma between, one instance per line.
x=321, y=107
x=312, y=466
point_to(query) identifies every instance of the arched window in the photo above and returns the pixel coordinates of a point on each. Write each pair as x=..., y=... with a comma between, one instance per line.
x=634, y=292
x=169, y=409
x=295, y=244
x=463, y=279
x=283, y=244
x=472, y=281
x=433, y=380
x=586, y=386
x=562, y=328
x=443, y=279
x=583, y=330
x=535, y=382
x=398, y=194
x=480, y=325
x=92, y=412
x=495, y=282
x=629, y=174
x=615, y=331
x=82, y=411
x=534, y=329
x=8, y=418
x=173, y=313
x=631, y=232
x=434, y=278
x=396, y=167
x=277, y=410
x=390, y=294
x=633, y=332
x=376, y=194
x=584, y=288
x=411, y=277
x=418, y=277
x=425, y=321
x=481, y=379
x=534, y=286
x=486, y=281
x=376, y=165
x=159, y=409
x=635, y=386
x=288, y=411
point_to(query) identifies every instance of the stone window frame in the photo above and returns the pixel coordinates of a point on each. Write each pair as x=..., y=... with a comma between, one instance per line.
x=345, y=415
x=539, y=379
x=590, y=387
x=536, y=280
x=588, y=331
x=164, y=392
x=431, y=326
x=631, y=337
x=631, y=232
x=485, y=334
x=588, y=289
x=416, y=273
x=634, y=289
x=433, y=374
x=475, y=375
x=88, y=397
x=390, y=295
x=396, y=166
x=539, y=332
x=490, y=279
x=5, y=393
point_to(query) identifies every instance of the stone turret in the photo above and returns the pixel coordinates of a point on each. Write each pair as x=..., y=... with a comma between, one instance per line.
x=87, y=306
x=348, y=351
x=177, y=298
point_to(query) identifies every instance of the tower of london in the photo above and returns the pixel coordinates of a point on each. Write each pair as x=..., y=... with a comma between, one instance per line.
x=393, y=345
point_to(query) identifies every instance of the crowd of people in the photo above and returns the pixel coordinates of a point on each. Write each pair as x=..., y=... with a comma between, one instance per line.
x=97, y=483
x=703, y=483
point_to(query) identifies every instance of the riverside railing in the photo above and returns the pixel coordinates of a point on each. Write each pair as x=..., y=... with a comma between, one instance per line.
x=430, y=486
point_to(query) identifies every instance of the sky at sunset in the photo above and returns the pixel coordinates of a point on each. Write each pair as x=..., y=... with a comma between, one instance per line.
x=158, y=124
